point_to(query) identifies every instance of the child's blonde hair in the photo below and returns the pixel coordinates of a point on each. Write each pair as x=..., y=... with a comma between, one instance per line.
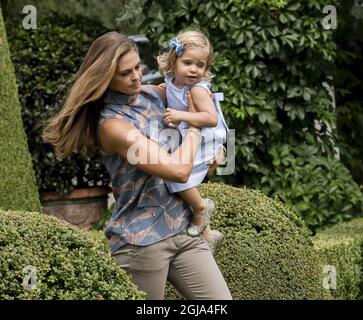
x=189, y=39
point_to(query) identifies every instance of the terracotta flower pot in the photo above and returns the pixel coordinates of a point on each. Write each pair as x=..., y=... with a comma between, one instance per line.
x=81, y=207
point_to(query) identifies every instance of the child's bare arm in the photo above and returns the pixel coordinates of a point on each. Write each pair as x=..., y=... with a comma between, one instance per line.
x=206, y=115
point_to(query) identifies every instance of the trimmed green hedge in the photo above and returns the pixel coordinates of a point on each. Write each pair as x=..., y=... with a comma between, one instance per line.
x=17, y=181
x=341, y=247
x=70, y=263
x=267, y=252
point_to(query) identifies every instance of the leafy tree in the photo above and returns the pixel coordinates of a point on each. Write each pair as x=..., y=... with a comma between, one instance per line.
x=105, y=12
x=273, y=61
x=348, y=84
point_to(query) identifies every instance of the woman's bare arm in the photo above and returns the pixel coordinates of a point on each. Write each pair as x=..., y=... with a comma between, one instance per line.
x=119, y=136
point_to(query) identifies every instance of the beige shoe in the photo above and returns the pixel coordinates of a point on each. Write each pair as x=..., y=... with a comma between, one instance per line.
x=195, y=230
x=215, y=241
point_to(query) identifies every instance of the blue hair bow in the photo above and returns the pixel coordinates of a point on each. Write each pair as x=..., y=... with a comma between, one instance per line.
x=174, y=43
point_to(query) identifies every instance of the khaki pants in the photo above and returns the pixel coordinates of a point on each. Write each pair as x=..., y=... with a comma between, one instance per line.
x=184, y=261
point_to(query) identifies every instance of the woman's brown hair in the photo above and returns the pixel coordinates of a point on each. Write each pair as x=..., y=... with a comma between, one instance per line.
x=74, y=127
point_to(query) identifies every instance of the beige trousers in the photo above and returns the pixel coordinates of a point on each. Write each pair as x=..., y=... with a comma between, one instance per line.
x=186, y=262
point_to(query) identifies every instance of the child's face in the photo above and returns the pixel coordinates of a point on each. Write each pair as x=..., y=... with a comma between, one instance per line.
x=191, y=66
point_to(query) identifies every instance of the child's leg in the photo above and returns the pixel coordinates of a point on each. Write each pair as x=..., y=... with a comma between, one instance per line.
x=206, y=232
x=192, y=197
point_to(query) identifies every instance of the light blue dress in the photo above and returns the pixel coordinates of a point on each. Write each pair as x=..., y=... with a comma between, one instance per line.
x=212, y=138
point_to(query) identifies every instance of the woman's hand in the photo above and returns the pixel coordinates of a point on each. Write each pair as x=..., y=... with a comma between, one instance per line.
x=219, y=158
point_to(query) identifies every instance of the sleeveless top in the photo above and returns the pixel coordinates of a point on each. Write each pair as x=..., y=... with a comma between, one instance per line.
x=212, y=137
x=145, y=212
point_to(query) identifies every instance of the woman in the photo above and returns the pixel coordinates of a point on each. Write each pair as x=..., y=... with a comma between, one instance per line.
x=107, y=109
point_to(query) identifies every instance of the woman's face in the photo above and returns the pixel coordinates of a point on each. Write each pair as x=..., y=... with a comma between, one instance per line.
x=127, y=78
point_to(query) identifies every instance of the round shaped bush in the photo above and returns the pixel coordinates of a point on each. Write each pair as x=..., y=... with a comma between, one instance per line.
x=42, y=257
x=267, y=252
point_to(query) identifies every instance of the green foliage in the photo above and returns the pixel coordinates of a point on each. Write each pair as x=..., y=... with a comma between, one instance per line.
x=105, y=217
x=44, y=71
x=100, y=237
x=318, y=188
x=267, y=252
x=103, y=12
x=70, y=263
x=130, y=18
x=17, y=182
x=348, y=84
x=273, y=61
x=341, y=247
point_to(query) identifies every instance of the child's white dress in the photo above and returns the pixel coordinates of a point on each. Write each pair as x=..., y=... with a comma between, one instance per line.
x=212, y=138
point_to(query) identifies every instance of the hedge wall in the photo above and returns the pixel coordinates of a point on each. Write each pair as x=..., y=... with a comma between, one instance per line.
x=17, y=181
x=267, y=252
x=69, y=263
x=341, y=247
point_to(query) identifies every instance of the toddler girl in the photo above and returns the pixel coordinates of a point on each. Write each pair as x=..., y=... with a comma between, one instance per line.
x=186, y=67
